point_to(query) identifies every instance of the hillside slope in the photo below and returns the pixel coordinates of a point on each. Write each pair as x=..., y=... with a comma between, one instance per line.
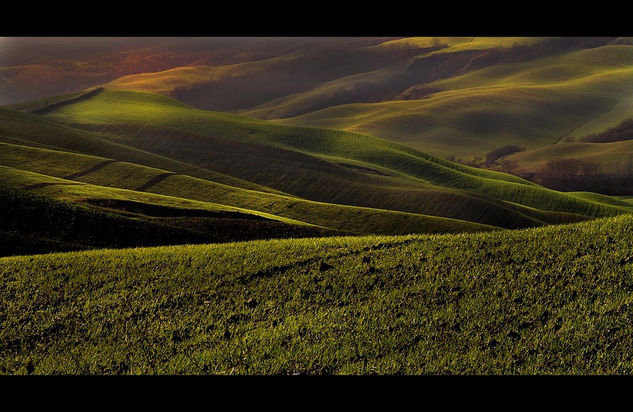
x=431, y=93
x=251, y=147
x=318, y=165
x=349, y=72
x=553, y=300
x=189, y=195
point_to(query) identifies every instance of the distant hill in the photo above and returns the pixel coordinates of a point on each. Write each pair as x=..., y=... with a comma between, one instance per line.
x=459, y=98
x=36, y=67
x=532, y=104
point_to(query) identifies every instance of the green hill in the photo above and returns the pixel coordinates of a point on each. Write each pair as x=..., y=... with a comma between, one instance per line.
x=348, y=71
x=354, y=220
x=573, y=93
x=459, y=98
x=606, y=155
x=335, y=179
x=605, y=167
x=323, y=219
x=454, y=97
x=433, y=93
x=156, y=125
x=552, y=300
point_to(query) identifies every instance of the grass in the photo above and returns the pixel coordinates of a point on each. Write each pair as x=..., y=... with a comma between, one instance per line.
x=37, y=224
x=28, y=129
x=165, y=82
x=61, y=215
x=278, y=155
x=489, y=90
x=548, y=300
x=315, y=176
x=429, y=283
x=383, y=83
x=284, y=209
x=70, y=190
x=609, y=157
x=486, y=108
x=457, y=44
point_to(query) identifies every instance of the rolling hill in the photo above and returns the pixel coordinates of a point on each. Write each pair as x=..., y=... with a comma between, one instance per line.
x=453, y=97
x=600, y=162
x=38, y=67
x=295, y=164
x=32, y=223
x=458, y=98
x=306, y=206
x=551, y=300
x=464, y=116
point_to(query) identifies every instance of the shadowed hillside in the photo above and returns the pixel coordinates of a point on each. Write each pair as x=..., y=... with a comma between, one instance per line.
x=454, y=97
x=31, y=223
x=35, y=67
x=458, y=98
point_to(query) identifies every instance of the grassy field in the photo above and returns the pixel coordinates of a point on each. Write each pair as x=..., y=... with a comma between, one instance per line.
x=167, y=81
x=387, y=83
x=548, y=300
x=343, y=181
x=453, y=97
x=313, y=80
x=141, y=234
x=62, y=216
x=448, y=96
x=457, y=44
x=353, y=220
x=289, y=150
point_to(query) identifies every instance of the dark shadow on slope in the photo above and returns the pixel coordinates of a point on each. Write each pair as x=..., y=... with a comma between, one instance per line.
x=90, y=170
x=55, y=106
x=31, y=223
x=153, y=181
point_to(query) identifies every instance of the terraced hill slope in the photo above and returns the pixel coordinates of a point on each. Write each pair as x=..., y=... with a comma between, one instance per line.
x=205, y=206
x=552, y=300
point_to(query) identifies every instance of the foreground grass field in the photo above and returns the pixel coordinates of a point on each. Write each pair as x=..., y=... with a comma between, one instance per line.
x=546, y=300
